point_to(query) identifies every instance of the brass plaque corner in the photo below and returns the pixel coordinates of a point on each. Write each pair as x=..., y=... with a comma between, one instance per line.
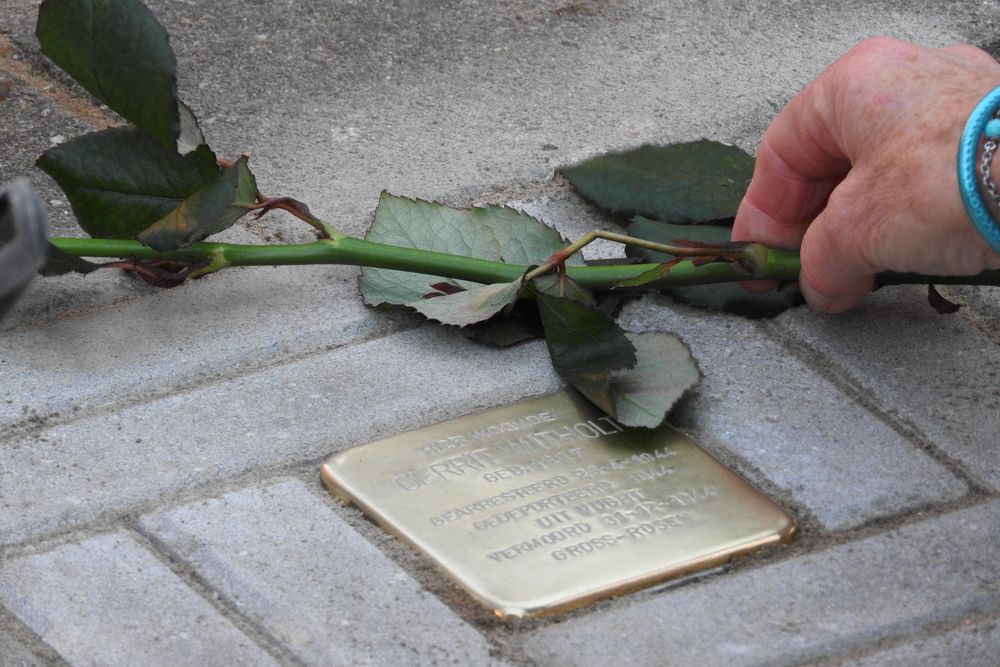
x=548, y=504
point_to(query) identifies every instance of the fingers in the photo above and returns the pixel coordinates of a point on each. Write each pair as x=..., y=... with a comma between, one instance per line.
x=836, y=270
x=886, y=104
x=798, y=165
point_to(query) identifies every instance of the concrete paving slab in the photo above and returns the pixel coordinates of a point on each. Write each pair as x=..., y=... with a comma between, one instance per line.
x=147, y=616
x=171, y=339
x=971, y=644
x=456, y=100
x=936, y=373
x=979, y=304
x=340, y=101
x=50, y=298
x=110, y=463
x=376, y=108
x=815, y=606
x=275, y=551
x=796, y=428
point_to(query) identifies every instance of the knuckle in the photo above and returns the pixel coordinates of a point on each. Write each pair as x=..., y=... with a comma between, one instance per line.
x=872, y=56
x=970, y=52
x=881, y=48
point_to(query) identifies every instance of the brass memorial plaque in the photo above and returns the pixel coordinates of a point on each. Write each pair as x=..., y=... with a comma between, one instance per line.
x=548, y=504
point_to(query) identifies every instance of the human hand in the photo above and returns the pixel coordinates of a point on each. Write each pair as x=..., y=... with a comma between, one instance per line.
x=859, y=170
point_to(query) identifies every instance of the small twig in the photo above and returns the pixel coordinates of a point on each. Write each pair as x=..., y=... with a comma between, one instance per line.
x=730, y=252
x=299, y=210
x=151, y=272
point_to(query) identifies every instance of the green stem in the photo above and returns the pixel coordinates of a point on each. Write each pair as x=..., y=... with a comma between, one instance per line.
x=781, y=265
x=560, y=257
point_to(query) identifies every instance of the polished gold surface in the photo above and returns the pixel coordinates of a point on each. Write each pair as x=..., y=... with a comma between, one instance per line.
x=547, y=504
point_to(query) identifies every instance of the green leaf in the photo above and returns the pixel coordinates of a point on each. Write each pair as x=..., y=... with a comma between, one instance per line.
x=469, y=306
x=690, y=182
x=503, y=331
x=58, y=263
x=553, y=284
x=583, y=341
x=215, y=207
x=663, y=371
x=119, y=181
x=521, y=322
x=118, y=51
x=493, y=232
x=728, y=297
x=585, y=345
x=635, y=378
x=665, y=232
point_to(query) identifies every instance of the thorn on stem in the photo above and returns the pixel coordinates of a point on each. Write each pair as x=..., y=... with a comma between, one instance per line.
x=293, y=206
x=159, y=273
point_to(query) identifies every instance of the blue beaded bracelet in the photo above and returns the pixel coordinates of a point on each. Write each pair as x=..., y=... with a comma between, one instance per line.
x=984, y=121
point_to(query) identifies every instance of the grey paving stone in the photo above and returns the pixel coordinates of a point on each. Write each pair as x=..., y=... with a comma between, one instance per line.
x=815, y=606
x=980, y=305
x=434, y=101
x=50, y=298
x=68, y=474
x=461, y=95
x=277, y=550
x=381, y=109
x=938, y=374
x=833, y=456
x=108, y=601
x=972, y=644
x=173, y=338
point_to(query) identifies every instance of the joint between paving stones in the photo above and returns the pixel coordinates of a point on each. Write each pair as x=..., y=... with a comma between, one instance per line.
x=14, y=628
x=508, y=636
x=815, y=538
x=36, y=424
x=305, y=470
x=932, y=630
x=217, y=599
x=806, y=520
x=767, y=557
x=124, y=519
x=831, y=371
x=417, y=565
x=504, y=636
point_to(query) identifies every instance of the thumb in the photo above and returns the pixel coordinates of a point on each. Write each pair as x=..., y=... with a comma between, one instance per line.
x=799, y=163
x=836, y=270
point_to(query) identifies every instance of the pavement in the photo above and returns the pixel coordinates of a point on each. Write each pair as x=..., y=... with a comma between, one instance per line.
x=160, y=501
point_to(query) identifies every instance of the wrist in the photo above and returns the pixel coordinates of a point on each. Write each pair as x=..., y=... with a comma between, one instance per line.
x=976, y=180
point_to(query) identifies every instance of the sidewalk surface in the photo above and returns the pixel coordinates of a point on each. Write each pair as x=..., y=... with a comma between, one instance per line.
x=160, y=501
